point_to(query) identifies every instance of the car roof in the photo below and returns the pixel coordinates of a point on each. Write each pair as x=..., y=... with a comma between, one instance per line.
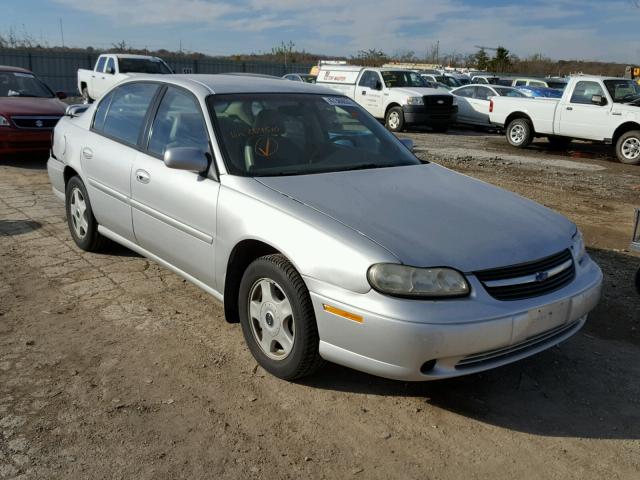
x=207, y=84
x=7, y=68
x=130, y=55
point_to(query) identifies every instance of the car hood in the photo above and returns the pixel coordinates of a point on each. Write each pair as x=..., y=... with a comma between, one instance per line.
x=31, y=106
x=420, y=92
x=427, y=215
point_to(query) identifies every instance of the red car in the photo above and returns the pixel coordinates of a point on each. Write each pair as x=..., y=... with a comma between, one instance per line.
x=28, y=112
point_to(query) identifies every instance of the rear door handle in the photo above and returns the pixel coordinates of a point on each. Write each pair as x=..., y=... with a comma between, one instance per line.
x=87, y=153
x=143, y=176
x=569, y=108
x=364, y=92
x=618, y=114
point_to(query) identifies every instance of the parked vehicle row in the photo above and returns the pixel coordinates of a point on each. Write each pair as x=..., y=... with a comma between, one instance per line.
x=473, y=102
x=321, y=232
x=28, y=111
x=599, y=109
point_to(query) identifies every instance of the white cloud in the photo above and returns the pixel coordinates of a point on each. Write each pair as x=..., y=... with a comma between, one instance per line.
x=557, y=28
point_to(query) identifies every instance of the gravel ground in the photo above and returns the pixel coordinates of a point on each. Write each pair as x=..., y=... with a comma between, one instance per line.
x=112, y=367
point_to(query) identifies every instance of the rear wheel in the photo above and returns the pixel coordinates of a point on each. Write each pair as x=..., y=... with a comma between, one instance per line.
x=520, y=133
x=82, y=224
x=277, y=318
x=394, y=120
x=628, y=148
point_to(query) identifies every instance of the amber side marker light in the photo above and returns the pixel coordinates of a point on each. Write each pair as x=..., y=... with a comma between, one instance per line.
x=342, y=313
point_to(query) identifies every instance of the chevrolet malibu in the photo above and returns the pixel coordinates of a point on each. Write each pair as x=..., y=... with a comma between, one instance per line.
x=321, y=232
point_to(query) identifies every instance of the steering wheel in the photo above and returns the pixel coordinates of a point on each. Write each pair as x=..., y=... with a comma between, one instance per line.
x=326, y=146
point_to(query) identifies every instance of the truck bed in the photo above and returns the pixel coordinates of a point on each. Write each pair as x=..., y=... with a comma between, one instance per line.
x=541, y=111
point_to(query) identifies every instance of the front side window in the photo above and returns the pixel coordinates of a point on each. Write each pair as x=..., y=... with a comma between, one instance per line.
x=369, y=79
x=124, y=118
x=521, y=83
x=584, y=91
x=19, y=84
x=465, y=92
x=100, y=65
x=300, y=134
x=178, y=123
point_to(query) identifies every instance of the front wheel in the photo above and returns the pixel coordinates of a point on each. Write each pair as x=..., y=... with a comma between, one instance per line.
x=520, y=133
x=628, y=148
x=277, y=318
x=86, y=99
x=394, y=120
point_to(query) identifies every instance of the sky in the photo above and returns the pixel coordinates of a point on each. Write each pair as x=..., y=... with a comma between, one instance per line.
x=604, y=30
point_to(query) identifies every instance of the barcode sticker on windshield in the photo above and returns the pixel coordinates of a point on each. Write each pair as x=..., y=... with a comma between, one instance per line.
x=340, y=101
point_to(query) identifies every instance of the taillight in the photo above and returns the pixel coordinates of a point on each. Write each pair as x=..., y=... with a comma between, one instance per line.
x=490, y=106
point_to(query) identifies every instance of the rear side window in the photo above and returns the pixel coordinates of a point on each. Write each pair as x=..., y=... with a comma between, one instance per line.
x=101, y=112
x=100, y=65
x=178, y=123
x=125, y=114
x=111, y=66
x=465, y=92
x=521, y=83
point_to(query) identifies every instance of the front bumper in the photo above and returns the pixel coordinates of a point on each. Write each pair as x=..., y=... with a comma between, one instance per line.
x=429, y=116
x=397, y=337
x=13, y=140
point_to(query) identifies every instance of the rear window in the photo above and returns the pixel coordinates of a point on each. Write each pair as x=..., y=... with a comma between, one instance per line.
x=142, y=65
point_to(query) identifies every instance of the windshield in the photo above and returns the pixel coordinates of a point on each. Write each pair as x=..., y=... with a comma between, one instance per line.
x=301, y=134
x=399, y=78
x=622, y=90
x=18, y=84
x=142, y=65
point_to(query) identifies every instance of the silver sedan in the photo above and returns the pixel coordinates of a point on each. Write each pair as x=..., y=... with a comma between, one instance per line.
x=324, y=236
x=474, y=102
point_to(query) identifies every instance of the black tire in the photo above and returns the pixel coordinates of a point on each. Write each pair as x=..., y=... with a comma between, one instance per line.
x=394, y=120
x=628, y=148
x=560, y=142
x=519, y=133
x=638, y=281
x=91, y=241
x=303, y=358
x=86, y=99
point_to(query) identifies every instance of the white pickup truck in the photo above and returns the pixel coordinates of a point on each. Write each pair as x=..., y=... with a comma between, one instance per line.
x=113, y=68
x=600, y=109
x=397, y=96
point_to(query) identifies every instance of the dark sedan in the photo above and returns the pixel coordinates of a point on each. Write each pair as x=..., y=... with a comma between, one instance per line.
x=29, y=110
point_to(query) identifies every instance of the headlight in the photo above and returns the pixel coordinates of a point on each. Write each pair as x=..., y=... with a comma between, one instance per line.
x=404, y=281
x=578, y=247
x=4, y=122
x=415, y=101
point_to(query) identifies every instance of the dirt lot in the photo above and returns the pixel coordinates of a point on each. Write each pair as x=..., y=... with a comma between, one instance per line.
x=112, y=367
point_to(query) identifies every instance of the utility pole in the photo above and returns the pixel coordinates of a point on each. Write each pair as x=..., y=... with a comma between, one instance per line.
x=61, y=32
x=437, y=52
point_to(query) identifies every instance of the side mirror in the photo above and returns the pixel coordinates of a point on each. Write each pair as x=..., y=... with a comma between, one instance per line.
x=407, y=142
x=378, y=85
x=61, y=95
x=598, y=100
x=186, y=158
x=76, y=110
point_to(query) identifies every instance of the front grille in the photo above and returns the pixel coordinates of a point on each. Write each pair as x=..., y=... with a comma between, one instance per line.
x=36, y=122
x=438, y=101
x=530, y=279
x=499, y=354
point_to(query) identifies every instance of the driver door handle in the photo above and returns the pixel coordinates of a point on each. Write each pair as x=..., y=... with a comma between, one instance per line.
x=364, y=92
x=143, y=176
x=569, y=108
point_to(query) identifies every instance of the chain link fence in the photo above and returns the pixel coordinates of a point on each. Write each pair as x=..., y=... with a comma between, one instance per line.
x=59, y=69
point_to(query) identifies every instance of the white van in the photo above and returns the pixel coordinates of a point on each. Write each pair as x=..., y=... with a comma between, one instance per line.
x=400, y=97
